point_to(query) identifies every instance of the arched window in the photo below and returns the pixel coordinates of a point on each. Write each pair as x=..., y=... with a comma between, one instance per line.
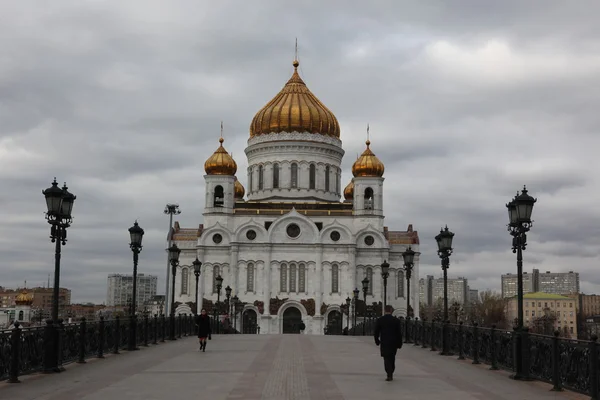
x=370, y=277
x=294, y=182
x=327, y=171
x=218, y=200
x=21, y=315
x=312, y=176
x=400, y=283
x=260, y=177
x=250, y=278
x=275, y=176
x=335, y=278
x=249, y=179
x=216, y=272
x=283, y=278
x=368, y=198
x=184, y=280
x=292, y=277
x=302, y=278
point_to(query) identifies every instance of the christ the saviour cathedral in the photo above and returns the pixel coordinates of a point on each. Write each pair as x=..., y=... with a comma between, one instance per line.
x=288, y=247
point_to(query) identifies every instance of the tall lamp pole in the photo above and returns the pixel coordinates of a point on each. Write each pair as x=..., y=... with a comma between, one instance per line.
x=235, y=301
x=355, y=292
x=444, y=242
x=365, y=288
x=228, y=302
x=348, y=301
x=385, y=273
x=519, y=214
x=217, y=311
x=174, y=252
x=170, y=209
x=197, y=269
x=136, y=233
x=59, y=204
x=409, y=257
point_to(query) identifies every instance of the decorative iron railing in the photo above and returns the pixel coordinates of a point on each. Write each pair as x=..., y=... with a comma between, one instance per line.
x=23, y=350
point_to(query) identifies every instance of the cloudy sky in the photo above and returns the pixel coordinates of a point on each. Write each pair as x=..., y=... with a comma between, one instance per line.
x=467, y=101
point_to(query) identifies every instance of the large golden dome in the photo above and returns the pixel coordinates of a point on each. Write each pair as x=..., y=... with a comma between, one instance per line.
x=24, y=299
x=349, y=191
x=220, y=163
x=295, y=109
x=368, y=164
x=238, y=190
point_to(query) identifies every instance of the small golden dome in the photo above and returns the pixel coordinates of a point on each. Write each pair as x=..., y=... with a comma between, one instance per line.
x=368, y=164
x=238, y=190
x=24, y=299
x=349, y=191
x=295, y=109
x=220, y=163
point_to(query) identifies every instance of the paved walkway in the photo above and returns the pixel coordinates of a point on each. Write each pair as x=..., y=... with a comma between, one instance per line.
x=276, y=367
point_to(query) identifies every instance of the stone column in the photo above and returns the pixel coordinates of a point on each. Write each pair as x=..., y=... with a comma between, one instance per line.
x=319, y=280
x=267, y=281
x=351, y=270
x=233, y=269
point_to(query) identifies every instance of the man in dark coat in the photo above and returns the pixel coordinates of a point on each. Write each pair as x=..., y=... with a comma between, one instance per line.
x=388, y=336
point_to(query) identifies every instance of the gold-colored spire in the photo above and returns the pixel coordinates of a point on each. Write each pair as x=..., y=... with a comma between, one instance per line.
x=220, y=163
x=368, y=164
x=295, y=109
x=238, y=190
x=349, y=191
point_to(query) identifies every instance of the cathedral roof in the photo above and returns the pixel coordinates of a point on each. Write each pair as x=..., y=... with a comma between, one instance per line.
x=239, y=190
x=295, y=109
x=220, y=163
x=24, y=299
x=368, y=164
x=408, y=236
x=349, y=191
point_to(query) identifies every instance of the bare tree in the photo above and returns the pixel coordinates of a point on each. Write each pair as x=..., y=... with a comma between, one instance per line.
x=490, y=310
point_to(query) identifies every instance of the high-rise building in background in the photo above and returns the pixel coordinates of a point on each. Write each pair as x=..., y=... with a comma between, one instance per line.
x=431, y=289
x=120, y=289
x=548, y=282
x=474, y=296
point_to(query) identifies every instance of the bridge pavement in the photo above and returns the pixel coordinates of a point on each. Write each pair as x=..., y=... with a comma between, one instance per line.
x=276, y=367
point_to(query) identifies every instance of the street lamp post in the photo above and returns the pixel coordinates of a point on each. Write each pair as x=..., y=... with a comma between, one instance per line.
x=444, y=242
x=228, y=304
x=174, y=252
x=217, y=311
x=348, y=301
x=235, y=299
x=59, y=204
x=355, y=292
x=197, y=269
x=136, y=233
x=519, y=214
x=365, y=288
x=409, y=257
x=170, y=210
x=385, y=273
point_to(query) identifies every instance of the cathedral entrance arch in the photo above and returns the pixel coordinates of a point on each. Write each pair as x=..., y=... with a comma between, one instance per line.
x=334, y=323
x=292, y=318
x=249, y=322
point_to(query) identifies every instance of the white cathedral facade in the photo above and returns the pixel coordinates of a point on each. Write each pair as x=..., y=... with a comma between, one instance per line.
x=297, y=245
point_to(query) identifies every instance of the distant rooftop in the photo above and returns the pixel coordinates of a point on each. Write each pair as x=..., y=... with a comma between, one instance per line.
x=545, y=296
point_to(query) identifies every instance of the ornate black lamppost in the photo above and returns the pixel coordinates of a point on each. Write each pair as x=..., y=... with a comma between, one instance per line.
x=444, y=242
x=136, y=233
x=60, y=204
x=228, y=297
x=217, y=311
x=519, y=214
x=365, y=288
x=355, y=293
x=197, y=268
x=174, y=252
x=409, y=257
x=170, y=210
x=385, y=273
x=348, y=302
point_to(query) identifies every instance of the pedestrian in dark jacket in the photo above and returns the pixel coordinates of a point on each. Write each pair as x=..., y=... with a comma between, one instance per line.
x=204, y=330
x=388, y=336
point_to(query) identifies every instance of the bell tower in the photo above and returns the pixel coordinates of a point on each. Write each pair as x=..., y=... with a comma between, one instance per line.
x=367, y=188
x=220, y=181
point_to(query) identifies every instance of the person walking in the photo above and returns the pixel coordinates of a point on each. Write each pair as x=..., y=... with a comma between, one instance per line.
x=388, y=336
x=204, y=330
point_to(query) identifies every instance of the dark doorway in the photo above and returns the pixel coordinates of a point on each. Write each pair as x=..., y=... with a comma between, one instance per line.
x=334, y=323
x=249, y=324
x=292, y=318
